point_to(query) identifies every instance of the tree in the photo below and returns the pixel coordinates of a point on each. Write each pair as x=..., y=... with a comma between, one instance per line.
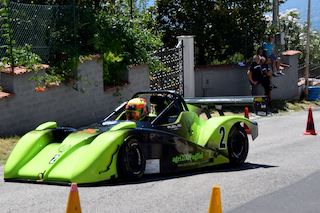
x=124, y=37
x=61, y=2
x=290, y=25
x=295, y=36
x=221, y=27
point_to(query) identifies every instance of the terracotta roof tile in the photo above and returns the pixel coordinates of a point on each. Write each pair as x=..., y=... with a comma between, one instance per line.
x=291, y=52
x=4, y=95
x=20, y=70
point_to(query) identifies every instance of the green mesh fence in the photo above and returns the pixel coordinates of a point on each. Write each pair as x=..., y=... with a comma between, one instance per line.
x=50, y=29
x=2, y=48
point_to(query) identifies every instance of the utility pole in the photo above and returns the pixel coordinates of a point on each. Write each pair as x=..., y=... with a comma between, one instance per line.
x=275, y=23
x=275, y=15
x=307, y=59
x=131, y=8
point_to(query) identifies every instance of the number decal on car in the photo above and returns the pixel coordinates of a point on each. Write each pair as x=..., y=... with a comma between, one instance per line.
x=222, y=132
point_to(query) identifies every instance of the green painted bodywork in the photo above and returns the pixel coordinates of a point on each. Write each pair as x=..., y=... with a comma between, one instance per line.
x=77, y=159
x=206, y=133
x=47, y=125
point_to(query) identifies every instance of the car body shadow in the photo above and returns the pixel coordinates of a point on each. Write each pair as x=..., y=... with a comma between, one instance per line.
x=205, y=170
x=161, y=177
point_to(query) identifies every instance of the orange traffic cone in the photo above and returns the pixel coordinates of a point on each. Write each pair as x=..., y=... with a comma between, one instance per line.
x=73, y=204
x=246, y=115
x=310, y=125
x=215, y=201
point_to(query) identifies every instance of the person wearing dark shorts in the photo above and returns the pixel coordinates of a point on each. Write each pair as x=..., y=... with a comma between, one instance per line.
x=255, y=73
x=266, y=78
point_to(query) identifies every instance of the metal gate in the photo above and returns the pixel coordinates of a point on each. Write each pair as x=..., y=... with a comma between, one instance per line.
x=170, y=78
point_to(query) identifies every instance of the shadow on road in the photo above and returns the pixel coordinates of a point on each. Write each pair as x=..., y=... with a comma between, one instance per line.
x=207, y=170
x=161, y=177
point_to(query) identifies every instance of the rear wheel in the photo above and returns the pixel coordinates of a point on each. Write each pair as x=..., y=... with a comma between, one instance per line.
x=131, y=161
x=238, y=145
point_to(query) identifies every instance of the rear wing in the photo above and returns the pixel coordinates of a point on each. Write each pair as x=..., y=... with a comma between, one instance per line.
x=259, y=103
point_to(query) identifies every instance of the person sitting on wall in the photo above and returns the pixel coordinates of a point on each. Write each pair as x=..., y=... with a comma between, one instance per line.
x=272, y=58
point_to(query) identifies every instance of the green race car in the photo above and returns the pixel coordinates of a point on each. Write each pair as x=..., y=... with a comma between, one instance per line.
x=171, y=138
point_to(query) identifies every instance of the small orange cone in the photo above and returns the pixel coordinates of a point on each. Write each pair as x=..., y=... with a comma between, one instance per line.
x=246, y=115
x=310, y=124
x=215, y=201
x=73, y=204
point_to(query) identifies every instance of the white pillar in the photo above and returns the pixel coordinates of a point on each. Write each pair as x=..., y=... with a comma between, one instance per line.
x=188, y=65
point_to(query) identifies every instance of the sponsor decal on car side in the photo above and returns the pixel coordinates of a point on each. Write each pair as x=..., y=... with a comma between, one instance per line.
x=189, y=157
x=174, y=126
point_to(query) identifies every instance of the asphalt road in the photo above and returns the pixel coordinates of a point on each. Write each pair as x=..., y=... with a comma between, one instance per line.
x=281, y=174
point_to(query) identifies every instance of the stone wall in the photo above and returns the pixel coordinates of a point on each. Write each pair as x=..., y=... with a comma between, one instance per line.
x=76, y=105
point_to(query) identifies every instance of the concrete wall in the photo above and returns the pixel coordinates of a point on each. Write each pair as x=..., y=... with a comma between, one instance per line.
x=287, y=85
x=232, y=80
x=224, y=80
x=84, y=103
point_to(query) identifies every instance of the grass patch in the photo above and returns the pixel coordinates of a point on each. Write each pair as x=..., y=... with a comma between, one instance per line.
x=6, y=146
x=293, y=106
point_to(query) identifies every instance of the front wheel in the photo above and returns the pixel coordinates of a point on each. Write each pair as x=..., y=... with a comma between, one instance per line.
x=238, y=145
x=131, y=161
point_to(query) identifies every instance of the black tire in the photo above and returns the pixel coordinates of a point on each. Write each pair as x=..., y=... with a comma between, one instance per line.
x=131, y=161
x=238, y=145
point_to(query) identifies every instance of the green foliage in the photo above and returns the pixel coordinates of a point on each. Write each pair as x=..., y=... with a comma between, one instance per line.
x=38, y=80
x=221, y=27
x=22, y=56
x=88, y=57
x=57, y=2
x=289, y=24
x=64, y=51
x=49, y=78
x=5, y=30
x=233, y=59
x=124, y=38
x=237, y=57
x=155, y=65
x=113, y=68
x=315, y=47
x=14, y=56
x=121, y=34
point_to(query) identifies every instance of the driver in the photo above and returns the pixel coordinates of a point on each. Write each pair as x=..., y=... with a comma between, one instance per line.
x=136, y=109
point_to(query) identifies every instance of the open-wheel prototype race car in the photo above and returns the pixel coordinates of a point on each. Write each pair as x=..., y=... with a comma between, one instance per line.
x=171, y=137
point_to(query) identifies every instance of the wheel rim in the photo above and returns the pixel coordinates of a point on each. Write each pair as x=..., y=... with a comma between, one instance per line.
x=134, y=158
x=237, y=144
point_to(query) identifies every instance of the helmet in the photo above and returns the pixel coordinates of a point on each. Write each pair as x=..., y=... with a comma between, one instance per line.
x=136, y=109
